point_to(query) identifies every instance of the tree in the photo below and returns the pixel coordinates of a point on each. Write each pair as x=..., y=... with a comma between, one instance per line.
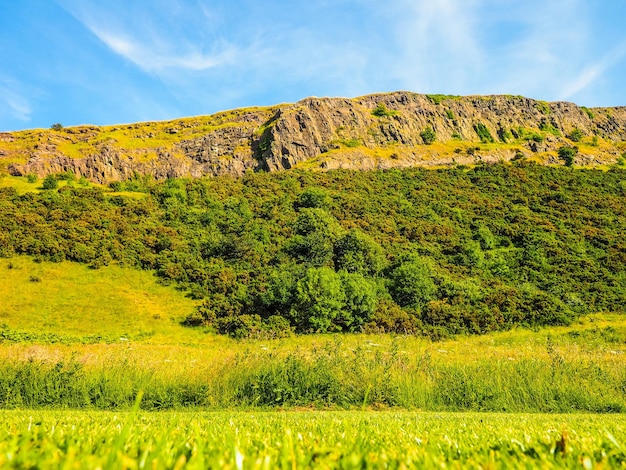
x=56, y=126
x=567, y=154
x=356, y=252
x=412, y=284
x=315, y=233
x=319, y=299
x=50, y=182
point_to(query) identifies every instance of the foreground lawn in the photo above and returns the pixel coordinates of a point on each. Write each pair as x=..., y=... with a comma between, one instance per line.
x=45, y=439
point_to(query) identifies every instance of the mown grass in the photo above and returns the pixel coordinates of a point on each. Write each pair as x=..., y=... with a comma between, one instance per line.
x=36, y=439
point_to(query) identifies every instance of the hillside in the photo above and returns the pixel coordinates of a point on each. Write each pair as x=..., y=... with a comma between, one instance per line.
x=380, y=131
x=434, y=252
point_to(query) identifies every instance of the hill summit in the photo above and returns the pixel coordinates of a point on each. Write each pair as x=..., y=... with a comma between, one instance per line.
x=399, y=129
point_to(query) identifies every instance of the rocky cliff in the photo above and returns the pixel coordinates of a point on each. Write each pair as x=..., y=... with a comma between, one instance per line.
x=378, y=131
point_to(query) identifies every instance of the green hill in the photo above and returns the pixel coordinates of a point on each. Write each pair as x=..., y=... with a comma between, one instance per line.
x=434, y=252
x=69, y=302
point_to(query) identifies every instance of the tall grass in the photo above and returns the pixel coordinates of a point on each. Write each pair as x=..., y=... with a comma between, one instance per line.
x=331, y=376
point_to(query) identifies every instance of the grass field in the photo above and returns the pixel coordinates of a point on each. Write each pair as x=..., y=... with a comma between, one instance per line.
x=70, y=300
x=44, y=439
x=76, y=341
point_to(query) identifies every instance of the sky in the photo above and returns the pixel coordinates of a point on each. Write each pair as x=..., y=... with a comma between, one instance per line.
x=120, y=61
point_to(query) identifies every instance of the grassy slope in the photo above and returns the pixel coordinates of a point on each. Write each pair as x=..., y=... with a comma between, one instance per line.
x=72, y=300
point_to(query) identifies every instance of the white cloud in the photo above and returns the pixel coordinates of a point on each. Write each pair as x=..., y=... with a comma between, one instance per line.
x=149, y=56
x=154, y=44
x=593, y=72
x=438, y=44
x=16, y=105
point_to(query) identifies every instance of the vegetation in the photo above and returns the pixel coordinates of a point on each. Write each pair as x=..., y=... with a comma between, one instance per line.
x=576, y=135
x=428, y=135
x=429, y=252
x=483, y=133
x=438, y=98
x=381, y=111
x=567, y=154
x=565, y=369
x=309, y=440
x=588, y=112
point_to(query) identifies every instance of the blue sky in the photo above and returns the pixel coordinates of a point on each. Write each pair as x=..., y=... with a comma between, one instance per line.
x=117, y=61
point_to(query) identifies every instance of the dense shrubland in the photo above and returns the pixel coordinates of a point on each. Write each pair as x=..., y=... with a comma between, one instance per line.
x=437, y=252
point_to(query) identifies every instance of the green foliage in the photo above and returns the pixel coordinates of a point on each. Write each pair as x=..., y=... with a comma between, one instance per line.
x=381, y=111
x=567, y=154
x=412, y=284
x=483, y=133
x=448, y=251
x=50, y=182
x=504, y=134
x=57, y=126
x=313, y=198
x=319, y=299
x=588, y=112
x=543, y=107
x=438, y=99
x=356, y=252
x=32, y=178
x=576, y=135
x=549, y=127
x=428, y=135
x=450, y=114
x=351, y=143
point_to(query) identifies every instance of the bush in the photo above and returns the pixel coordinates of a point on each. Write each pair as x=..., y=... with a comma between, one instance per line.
x=567, y=154
x=32, y=178
x=576, y=135
x=428, y=135
x=56, y=126
x=50, y=182
x=483, y=133
x=381, y=111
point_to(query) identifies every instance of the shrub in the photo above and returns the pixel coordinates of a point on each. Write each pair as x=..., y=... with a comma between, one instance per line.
x=31, y=178
x=428, y=135
x=50, y=182
x=381, y=111
x=587, y=111
x=567, y=154
x=576, y=135
x=483, y=133
x=56, y=126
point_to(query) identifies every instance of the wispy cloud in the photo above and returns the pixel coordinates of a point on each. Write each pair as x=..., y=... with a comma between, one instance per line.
x=593, y=72
x=438, y=44
x=148, y=40
x=150, y=57
x=16, y=106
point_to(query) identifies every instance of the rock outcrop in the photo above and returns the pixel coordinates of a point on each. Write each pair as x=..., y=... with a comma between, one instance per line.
x=376, y=131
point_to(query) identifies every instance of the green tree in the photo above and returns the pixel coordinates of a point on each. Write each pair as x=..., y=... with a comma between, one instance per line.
x=357, y=252
x=412, y=284
x=361, y=300
x=50, y=182
x=319, y=299
x=567, y=154
x=315, y=233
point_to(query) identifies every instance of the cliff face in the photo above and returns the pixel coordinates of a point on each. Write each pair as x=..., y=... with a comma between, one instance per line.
x=376, y=131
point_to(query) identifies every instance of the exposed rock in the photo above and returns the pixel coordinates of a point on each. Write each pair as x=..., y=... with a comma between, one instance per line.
x=370, y=132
